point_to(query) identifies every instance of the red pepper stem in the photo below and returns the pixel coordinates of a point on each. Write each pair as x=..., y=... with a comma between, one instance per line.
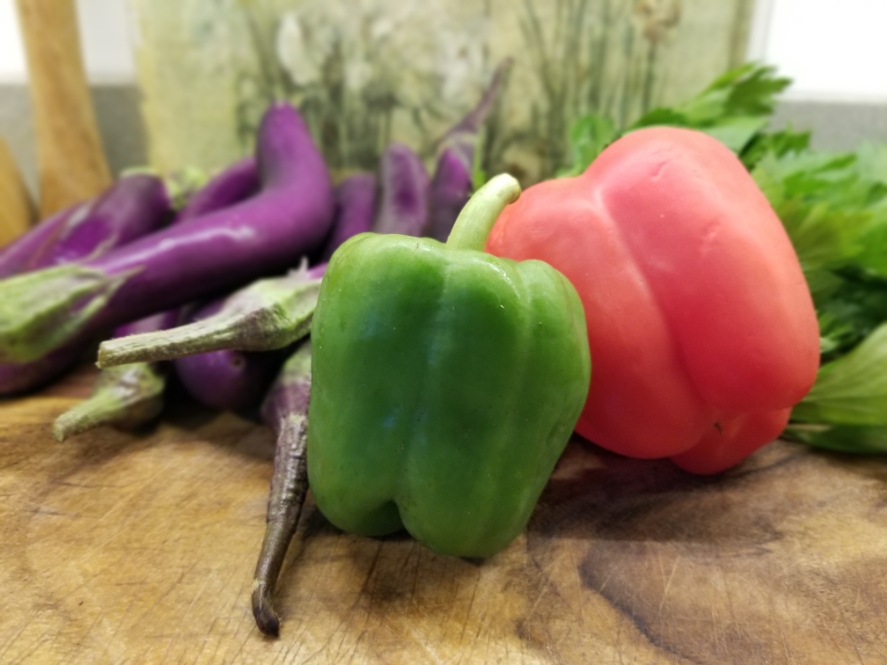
x=482, y=210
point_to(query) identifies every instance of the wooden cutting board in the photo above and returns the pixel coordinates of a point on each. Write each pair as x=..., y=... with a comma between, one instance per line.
x=123, y=548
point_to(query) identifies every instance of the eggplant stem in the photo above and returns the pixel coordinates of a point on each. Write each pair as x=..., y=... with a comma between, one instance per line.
x=278, y=317
x=127, y=396
x=289, y=486
x=43, y=310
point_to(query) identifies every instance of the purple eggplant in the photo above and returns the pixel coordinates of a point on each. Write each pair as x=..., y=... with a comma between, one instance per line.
x=290, y=217
x=128, y=396
x=267, y=315
x=227, y=379
x=403, y=207
x=355, y=211
x=235, y=380
x=15, y=256
x=16, y=378
x=231, y=185
x=134, y=206
x=450, y=191
x=451, y=185
x=285, y=411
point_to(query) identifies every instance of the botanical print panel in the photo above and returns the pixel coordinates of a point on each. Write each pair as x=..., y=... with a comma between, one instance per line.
x=367, y=72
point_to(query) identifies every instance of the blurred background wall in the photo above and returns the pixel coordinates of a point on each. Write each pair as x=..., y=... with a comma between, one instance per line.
x=834, y=51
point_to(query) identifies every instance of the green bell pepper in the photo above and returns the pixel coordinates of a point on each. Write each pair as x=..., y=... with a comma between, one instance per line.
x=446, y=383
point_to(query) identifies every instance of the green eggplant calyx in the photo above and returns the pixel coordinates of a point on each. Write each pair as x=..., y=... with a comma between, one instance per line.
x=126, y=396
x=182, y=185
x=43, y=310
x=481, y=212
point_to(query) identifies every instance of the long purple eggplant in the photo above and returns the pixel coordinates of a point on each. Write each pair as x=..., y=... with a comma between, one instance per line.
x=403, y=207
x=17, y=378
x=234, y=380
x=133, y=206
x=15, y=256
x=133, y=394
x=268, y=233
x=126, y=396
x=228, y=380
x=451, y=184
x=450, y=191
x=267, y=315
x=355, y=211
x=231, y=185
x=285, y=411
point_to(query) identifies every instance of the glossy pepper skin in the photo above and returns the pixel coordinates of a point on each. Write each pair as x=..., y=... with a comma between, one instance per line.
x=446, y=383
x=700, y=322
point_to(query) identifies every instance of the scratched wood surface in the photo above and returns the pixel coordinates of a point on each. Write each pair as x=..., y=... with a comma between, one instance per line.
x=124, y=548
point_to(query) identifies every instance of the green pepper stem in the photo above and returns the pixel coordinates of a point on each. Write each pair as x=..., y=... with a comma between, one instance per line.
x=482, y=210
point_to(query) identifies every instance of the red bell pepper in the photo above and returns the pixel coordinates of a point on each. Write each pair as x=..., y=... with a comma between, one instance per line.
x=701, y=326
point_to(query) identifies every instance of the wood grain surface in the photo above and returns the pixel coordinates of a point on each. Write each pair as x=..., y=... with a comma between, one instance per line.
x=71, y=165
x=16, y=208
x=139, y=548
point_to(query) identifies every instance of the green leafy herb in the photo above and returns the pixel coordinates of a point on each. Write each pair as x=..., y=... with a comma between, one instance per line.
x=589, y=135
x=863, y=439
x=851, y=390
x=735, y=109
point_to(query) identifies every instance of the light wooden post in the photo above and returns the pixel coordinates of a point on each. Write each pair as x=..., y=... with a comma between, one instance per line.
x=16, y=209
x=70, y=161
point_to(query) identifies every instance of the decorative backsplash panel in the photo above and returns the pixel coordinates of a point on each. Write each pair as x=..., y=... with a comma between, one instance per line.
x=366, y=72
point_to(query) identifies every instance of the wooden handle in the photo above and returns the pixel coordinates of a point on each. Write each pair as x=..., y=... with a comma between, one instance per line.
x=70, y=161
x=16, y=208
